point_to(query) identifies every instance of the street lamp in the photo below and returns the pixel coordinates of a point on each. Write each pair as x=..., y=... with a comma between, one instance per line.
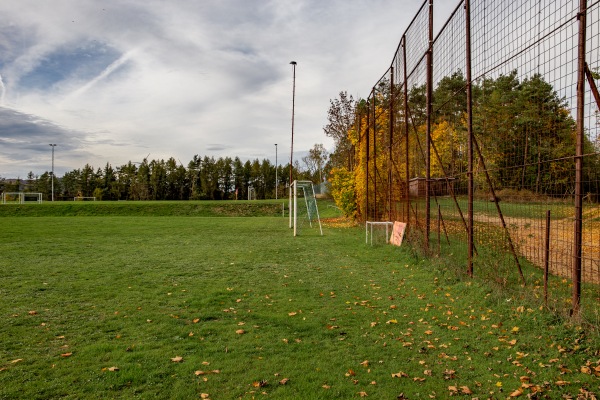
x=53, y=145
x=276, y=171
x=293, y=63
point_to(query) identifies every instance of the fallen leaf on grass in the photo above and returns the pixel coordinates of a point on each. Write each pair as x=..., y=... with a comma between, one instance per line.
x=259, y=384
x=66, y=354
x=365, y=363
x=516, y=393
x=291, y=314
x=284, y=381
x=240, y=331
x=363, y=394
x=214, y=371
x=204, y=395
x=399, y=375
x=465, y=390
x=449, y=374
x=32, y=312
x=177, y=359
x=326, y=387
x=196, y=320
x=16, y=361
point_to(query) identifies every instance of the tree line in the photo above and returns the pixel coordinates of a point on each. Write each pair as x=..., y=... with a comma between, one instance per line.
x=203, y=178
x=524, y=131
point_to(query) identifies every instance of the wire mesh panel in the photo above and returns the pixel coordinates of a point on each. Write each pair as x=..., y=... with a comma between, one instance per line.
x=530, y=116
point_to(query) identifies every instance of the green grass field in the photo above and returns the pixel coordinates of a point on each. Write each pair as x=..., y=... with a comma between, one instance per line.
x=182, y=306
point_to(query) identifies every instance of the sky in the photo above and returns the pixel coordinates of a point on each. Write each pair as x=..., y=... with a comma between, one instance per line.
x=114, y=81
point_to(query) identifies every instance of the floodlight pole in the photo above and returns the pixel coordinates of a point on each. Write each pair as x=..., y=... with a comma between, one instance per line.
x=275, y=171
x=293, y=63
x=53, y=145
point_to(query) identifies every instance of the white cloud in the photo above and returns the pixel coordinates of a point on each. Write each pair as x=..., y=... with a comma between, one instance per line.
x=119, y=79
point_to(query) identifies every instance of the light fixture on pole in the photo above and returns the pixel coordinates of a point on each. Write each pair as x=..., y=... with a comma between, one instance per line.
x=53, y=145
x=293, y=63
x=276, y=171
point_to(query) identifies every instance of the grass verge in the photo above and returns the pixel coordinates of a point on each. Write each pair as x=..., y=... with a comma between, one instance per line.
x=181, y=307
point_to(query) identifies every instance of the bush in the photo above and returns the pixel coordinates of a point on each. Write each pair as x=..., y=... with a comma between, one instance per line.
x=342, y=190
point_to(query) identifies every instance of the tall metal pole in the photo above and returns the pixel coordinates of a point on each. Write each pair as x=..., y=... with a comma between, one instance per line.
x=391, y=140
x=577, y=236
x=292, y=147
x=276, y=171
x=53, y=145
x=471, y=186
x=429, y=123
x=406, y=132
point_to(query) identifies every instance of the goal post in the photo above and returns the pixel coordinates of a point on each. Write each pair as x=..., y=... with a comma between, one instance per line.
x=21, y=197
x=304, y=207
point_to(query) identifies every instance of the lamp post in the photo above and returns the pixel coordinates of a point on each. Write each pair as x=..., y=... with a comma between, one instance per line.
x=276, y=171
x=53, y=145
x=293, y=63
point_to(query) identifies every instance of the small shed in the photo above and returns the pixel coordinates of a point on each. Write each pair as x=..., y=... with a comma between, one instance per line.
x=437, y=186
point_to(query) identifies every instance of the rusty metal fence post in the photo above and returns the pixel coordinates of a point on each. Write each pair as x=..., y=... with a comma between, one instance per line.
x=577, y=234
x=429, y=100
x=470, y=188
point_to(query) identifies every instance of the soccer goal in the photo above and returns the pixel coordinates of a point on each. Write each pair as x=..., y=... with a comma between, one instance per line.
x=251, y=193
x=21, y=198
x=304, y=211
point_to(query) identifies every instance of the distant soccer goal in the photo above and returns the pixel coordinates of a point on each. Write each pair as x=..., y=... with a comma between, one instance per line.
x=304, y=210
x=83, y=198
x=251, y=193
x=21, y=198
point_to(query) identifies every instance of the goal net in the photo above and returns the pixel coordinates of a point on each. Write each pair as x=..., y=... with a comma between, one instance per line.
x=303, y=208
x=21, y=198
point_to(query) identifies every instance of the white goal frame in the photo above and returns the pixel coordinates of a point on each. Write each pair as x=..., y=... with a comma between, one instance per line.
x=21, y=197
x=308, y=193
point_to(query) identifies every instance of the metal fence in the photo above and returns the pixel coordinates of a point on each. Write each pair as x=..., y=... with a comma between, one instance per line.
x=485, y=138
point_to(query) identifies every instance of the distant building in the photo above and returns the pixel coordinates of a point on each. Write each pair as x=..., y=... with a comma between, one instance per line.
x=437, y=186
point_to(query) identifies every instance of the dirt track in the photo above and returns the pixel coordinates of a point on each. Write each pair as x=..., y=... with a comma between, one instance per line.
x=528, y=235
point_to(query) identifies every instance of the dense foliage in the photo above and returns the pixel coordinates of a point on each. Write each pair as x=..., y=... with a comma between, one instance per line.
x=525, y=132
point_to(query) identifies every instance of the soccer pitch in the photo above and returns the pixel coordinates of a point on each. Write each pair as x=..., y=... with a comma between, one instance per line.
x=228, y=308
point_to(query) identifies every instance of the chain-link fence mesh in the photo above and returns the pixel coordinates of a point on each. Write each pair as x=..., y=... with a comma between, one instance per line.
x=485, y=140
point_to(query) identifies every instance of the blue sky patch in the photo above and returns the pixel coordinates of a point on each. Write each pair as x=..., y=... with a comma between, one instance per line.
x=81, y=62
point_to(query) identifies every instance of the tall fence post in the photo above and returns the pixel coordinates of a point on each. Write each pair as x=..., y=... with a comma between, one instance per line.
x=428, y=137
x=391, y=137
x=577, y=236
x=375, y=208
x=546, y=257
x=470, y=139
x=367, y=134
x=406, y=131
